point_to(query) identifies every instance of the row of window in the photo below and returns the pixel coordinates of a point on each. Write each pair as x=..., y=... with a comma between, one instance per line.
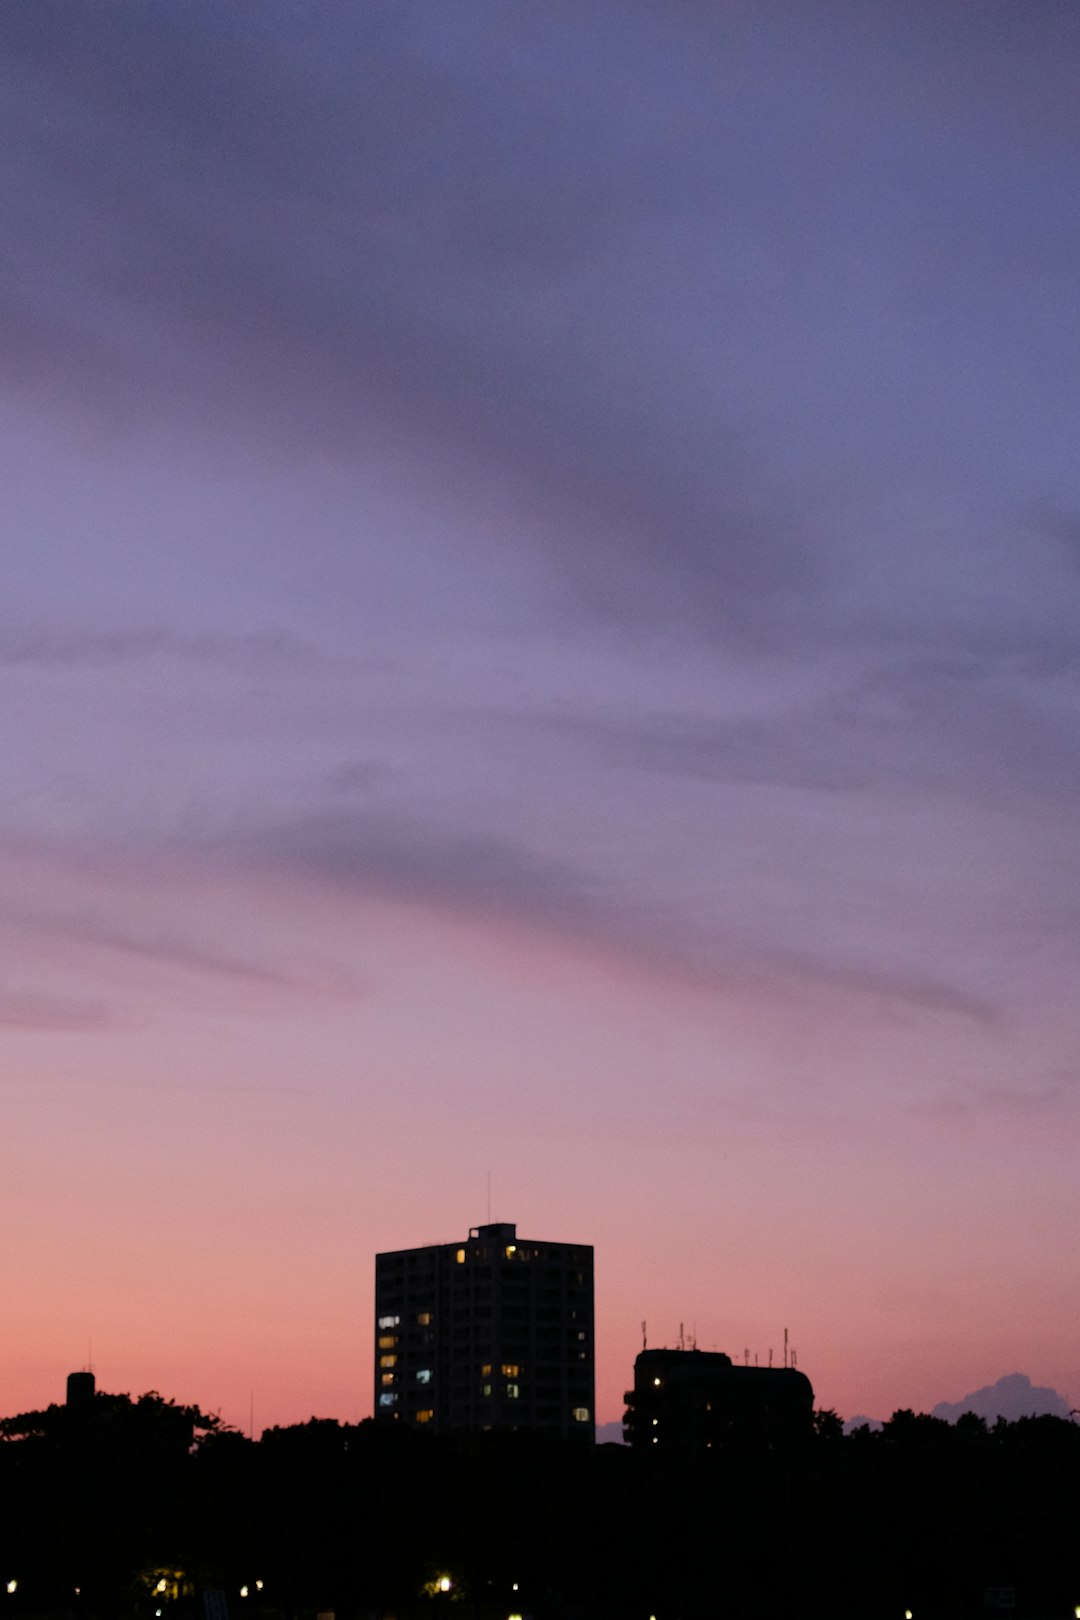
x=388, y=1400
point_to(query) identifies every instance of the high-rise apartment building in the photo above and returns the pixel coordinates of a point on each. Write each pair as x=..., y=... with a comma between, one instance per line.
x=496, y=1331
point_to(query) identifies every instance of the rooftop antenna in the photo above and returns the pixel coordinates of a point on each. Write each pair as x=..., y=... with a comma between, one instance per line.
x=644, y=1336
x=682, y=1336
x=693, y=1337
x=746, y=1357
x=89, y=1352
x=794, y=1359
x=251, y=1415
x=770, y=1358
x=785, y=1348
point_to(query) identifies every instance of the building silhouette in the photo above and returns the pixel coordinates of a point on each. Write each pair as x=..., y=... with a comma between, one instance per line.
x=493, y=1332
x=685, y=1403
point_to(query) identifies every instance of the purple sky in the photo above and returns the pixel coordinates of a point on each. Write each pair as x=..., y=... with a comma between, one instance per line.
x=540, y=633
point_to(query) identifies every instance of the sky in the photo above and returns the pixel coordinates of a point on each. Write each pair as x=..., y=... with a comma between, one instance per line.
x=539, y=638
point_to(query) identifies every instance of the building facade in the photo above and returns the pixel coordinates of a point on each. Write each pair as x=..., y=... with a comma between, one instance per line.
x=685, y=1403
x=493, y=1332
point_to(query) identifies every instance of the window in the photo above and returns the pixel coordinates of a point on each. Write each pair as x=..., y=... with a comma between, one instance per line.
x=487, y=1389
x=425, y=1416
x=389, y=1321
x=509, y=1369
x=387, y=1341
x=511, y=1250
x=485, y=1371
x=387, y=1399
x=387, y=1378
x=581, y=1414
x=388, y=1361
x=513, y=1391
x=423, y=1375
x=424, y=1319
x=460, y=1257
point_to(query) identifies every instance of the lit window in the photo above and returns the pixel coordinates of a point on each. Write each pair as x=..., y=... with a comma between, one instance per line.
x=513, y=1391
x=511, y=1250
x=388, y=1361
x=387, y=1341
x=389, y=1321
x=424, y=1319
x=656, y=1383
x=485, y=1371
x=460, y=1257
x=487, y=1389
x=581, y=1335
x=655, y=1421
x=581, y=1414
x=510, y=1369
x=425, y=1416
x=387, y=1400
x=423, y=1375
x=387, y=1378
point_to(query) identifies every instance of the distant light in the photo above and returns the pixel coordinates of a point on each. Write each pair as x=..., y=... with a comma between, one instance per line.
x=656, y=1383
x=243, y=1591
x=444, y=1583
x=258, y=1586
x=513, y=1617
x=514, y=1587
x=12, y=1586
x=161, y=1585
x=907, y=1614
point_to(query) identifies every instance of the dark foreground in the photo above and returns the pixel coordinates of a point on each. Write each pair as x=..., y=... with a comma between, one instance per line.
x=145, y=1506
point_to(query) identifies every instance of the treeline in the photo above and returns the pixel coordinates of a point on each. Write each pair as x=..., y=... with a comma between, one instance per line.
x=145, y=1506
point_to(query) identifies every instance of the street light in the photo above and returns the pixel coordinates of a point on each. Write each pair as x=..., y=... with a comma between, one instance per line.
x=12, y=1586
x=444, y=1583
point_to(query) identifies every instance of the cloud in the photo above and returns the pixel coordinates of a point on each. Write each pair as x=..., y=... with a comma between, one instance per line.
x=50, y=1013
x=978, y=726
x=360, y=776
x=91, y=648
x=483, y=878
x=324, y=269
x=165, y=946
x=1012, y=1397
